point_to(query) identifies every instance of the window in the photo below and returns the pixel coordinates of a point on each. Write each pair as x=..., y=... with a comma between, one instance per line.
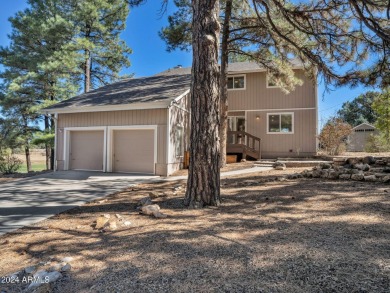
x=236, y=82
x=280, y=123
x=179, y=149
x=271, y=81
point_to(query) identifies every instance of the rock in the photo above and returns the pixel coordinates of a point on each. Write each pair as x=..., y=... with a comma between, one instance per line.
x=30, y=270
x=150, y=209
x=118, y=216
x=127, y=223
x=345, y=176
x=325, y=166
x=66, y=268
x=380, y=175
x=67, y=259
x=381, y=162
x=386, y=179
x=43, y=277
x=145, y=201
x=333, y=175
x=110, y=226
x=352, y=161
x=243, y=160
x=371, y=178
x=316, y=174
x=386, y=169
x=357, y=177
x=56, y=267
x=279, y=166
x=159, y=215
x=101, y=222
x=366, y=167
x=370, y=160
x=152, y=194
x=324, y=174
x=107, y=216
x=250, y=182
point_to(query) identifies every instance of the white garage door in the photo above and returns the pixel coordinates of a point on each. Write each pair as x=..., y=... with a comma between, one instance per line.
x=133, y=151
x=86, y=150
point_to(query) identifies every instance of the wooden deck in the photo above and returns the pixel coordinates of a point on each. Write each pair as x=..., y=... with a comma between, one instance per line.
x=241, y=142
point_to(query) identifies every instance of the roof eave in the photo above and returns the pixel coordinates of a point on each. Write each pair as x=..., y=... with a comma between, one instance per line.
x=120, y=107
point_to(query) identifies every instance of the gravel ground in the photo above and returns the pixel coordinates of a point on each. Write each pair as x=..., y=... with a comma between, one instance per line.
x=304, y=235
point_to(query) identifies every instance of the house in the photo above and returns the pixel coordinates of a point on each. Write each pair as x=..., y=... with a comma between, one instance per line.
x=142, y=125
x=357, y=140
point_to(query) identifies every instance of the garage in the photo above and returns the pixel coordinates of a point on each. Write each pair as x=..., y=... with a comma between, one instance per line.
x=86, y=150
x=133, y=151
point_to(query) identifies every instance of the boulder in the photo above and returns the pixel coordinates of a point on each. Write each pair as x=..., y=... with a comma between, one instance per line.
x=30, y=270
x=370, y=160
x=279, y=166
x=386, y=169
x=345, y=176
x=159, y=215
x=333, y=175
x=150, y=209
x=316, y=174
x=153, y=194
x=386, y=179
x=66, y=268
x=145, y=201
x=357, y=177
x=324, y=166
x=101, y=221
x=352, y=161
x=371, y=178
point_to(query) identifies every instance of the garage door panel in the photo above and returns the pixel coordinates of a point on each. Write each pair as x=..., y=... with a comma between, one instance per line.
x=86, y=150
x=133, y=151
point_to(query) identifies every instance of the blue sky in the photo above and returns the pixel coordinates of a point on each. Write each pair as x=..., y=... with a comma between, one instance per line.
x=150, y=55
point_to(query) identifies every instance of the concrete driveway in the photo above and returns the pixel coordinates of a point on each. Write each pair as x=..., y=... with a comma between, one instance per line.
x=29, y=200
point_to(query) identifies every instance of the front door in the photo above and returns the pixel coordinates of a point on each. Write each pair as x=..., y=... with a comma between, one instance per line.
x=236, y=123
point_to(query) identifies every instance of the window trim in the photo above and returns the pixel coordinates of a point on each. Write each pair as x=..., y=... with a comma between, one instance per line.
x=281, y=113
x=267, y=82
x=237, y=89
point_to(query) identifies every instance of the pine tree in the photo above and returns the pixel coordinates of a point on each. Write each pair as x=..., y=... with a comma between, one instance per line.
x=102, y=54
x=381, y=107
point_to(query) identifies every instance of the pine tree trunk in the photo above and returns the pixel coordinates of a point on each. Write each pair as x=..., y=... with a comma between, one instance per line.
x=203, y=185
x=223, y=82
x=28, y=158
x=87, y=72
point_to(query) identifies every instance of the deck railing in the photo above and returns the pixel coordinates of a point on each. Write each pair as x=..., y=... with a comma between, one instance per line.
x=245, y=143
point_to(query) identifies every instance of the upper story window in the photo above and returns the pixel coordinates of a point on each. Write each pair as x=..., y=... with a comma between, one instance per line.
x=280, y=123
x=271, y=81
x=236, y=82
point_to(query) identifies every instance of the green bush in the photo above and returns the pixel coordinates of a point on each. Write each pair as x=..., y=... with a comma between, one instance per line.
x=376, y=144
x=9, y=164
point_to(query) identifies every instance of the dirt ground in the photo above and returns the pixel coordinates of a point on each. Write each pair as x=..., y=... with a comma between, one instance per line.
x=227, y=168
x=304, y=235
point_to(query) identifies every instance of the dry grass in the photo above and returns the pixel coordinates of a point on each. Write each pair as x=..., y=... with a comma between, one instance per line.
x=292, y=236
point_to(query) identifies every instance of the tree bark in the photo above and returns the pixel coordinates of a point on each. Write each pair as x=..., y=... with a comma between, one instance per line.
x=203, y=185
x=223, y=82
x=28, y=158
x=87, y=72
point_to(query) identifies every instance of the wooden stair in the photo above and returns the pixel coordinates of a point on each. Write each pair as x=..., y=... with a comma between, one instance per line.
x=243, y=143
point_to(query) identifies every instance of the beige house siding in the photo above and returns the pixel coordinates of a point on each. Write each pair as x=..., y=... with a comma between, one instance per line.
x=257, y=96
x=300, y=143
x=117, y=118
x=256, y=101
x=179, y=116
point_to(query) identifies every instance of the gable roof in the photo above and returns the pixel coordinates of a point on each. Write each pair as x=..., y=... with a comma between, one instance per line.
x=156, y=91
x=364, y=125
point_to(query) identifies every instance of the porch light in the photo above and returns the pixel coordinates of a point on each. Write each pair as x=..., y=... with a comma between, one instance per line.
x=257, y=117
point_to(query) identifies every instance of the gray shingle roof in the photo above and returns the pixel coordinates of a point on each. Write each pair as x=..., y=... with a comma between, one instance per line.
x=157, y=88
x=162, y=87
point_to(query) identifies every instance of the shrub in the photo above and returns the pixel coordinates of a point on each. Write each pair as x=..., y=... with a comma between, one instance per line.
x=376, y=144
x=9, y=164
x=333, y=136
